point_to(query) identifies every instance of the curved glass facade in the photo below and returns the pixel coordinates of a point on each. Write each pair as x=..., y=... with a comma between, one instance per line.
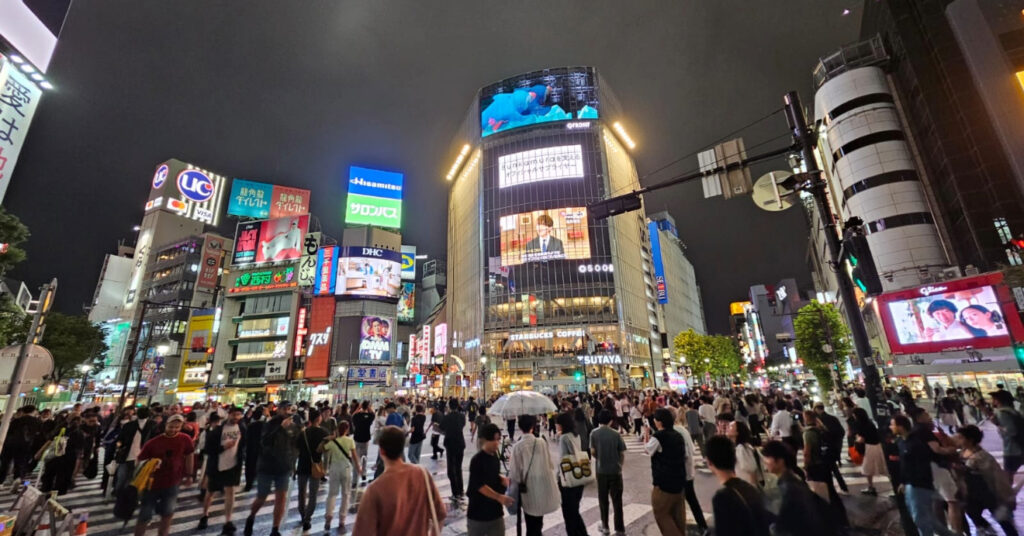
x=535, y=285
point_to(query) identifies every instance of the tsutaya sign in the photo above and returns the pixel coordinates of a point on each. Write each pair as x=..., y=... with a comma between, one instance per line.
x=600, y=359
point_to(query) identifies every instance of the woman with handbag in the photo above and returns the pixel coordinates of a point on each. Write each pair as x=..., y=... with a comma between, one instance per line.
x=533, y=477
x=310, y=468
x=339, y=457
x=574, y=472
x=873, y=462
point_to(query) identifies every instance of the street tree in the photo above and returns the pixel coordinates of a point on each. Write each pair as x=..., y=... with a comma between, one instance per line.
x=13, y=234
x=822, y=341
x=73, y=341
x=713, y=354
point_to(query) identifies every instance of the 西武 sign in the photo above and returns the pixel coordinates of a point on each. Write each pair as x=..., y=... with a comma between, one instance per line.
x=374, y=198
x=536, y=165
x=264, y=280
x=187, y=191
x=18, y=100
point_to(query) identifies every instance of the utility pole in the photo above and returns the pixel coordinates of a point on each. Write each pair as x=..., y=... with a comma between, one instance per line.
x=804, y=139
x=131, y=359
x=35, y=334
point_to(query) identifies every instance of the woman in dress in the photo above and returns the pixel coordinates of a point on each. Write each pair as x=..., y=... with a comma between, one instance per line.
x=531, y=466
x=874, y=458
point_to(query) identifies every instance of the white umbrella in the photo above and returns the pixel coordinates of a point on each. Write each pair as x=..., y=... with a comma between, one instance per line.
x=519, y=403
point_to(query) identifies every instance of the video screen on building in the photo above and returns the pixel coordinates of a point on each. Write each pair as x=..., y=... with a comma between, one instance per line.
x=948, y=316
x=262, y=242
x=374, y=198
x=543, y=235
x=536, y=165
x=538, y=97
x=375, y=339
x=369, y=273
x=407, y=303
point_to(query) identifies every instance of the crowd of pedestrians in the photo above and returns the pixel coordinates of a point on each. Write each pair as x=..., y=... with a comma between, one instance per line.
x=775, y=455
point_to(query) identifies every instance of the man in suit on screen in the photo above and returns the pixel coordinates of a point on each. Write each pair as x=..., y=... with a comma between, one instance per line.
x=545, y=245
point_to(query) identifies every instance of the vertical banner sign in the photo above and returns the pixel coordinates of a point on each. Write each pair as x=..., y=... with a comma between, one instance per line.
x=412, y=348
x=250, y=199
x=307, y=265
x=288, y=202
x=318, y=345
x=659, y=267
x=424, y=341
x=326, y=275
x=300, y=332
x=441, y=339
x=18, y=100
x=209, y=266
x=408, y=263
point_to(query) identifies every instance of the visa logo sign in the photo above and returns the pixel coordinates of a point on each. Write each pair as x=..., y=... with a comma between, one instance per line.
x=195, y=185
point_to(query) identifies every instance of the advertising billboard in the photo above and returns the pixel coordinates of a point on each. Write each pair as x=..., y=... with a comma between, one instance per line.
x=538, y=97
x=542, y=235
x=260, y=280
x=307, y=264
x=188, y=191
x=209, y=265
x=369, y=273
x=408, y=263
x=268, y=241
x=18, y=100
x=375, y=339
x=546, y=164
x=441, y=339
x=659, y=267
x=374, y=198
x=318, y=343
x=261, y=201
x=974, y=312
x=31, y=28
x=326, y=271
x=407, y=303
x=198, y=337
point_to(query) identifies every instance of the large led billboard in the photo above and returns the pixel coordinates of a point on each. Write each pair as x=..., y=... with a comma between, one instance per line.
x=187, y=191
x=261, y=201
x=538, y=97
x=374, y=198
x=974, y=312
x=543, y=235
x=369, y=273
x=546, y=164
x=407, y=303
x=19, y=98
x=32, y=27
x=262, y=242
x=375, y=339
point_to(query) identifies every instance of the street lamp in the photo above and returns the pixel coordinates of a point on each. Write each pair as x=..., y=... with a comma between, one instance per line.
x=85, y=368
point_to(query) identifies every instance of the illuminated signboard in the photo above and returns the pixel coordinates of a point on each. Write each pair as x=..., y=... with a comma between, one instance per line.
x=973, y=312
x=269, y=241
x=264, y=280
x=198, y=337
x=440, y=339
x=369, y=273
x=187, y=191
x=659, y=268
x=541, y=235
x=539, y=97
x=32, y=28
x=375, y=339
x=600, y=359
x=308, y=262
x=369, y=374
x=209, y=265
x=408, y=262
x=548, y=163
x=423, y=343
x=19, y=98
x=250, y=199
x=374, y=198
x=407, y=303
x=318, y=351
x=326, y=271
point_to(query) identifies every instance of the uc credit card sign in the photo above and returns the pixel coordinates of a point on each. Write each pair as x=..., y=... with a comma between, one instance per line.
x=374, y=197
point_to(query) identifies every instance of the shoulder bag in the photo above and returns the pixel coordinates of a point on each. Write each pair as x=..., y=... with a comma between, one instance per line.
x=575, y=468
x=435, y=527
x=516, y=488
x=316, y=469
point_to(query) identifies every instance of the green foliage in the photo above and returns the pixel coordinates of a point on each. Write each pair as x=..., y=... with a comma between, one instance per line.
x=13, y=322
x=714, y=354
x=816, y=325
x=14, y=234
x=72, y=340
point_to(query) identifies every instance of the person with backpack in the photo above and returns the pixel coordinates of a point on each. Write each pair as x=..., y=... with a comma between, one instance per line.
x=668, y=471
x=276, y=465
x=988, y=488
x=1011, y=429
x=472, y=408
x=801, y=511
x=816, y=451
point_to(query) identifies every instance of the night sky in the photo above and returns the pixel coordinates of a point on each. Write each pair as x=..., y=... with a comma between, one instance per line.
x=295, y=96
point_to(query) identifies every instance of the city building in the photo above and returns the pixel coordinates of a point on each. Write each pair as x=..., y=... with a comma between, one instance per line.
x=679, y=302
x=540, y=295
x=769, y=329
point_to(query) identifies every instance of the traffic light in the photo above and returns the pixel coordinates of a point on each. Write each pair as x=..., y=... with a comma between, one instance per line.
x=1018, y=352
x=857, y=255
x=360, y=385
x=578, y=376
x=1017, y=244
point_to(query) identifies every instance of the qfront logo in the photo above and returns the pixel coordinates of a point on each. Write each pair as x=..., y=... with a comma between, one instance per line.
x=160, y=176
x=195, y=185
x=373, y=210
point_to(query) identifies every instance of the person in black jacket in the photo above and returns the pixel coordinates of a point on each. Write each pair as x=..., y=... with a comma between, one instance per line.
x=17, y=452
x=253, y=433
x=801, y=511
x=738, y=506
x=834, y=434
x=668, y=470
x=452, y=427
x=133, y=436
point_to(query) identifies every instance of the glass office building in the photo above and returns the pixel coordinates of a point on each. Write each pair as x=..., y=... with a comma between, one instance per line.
x=541, y=295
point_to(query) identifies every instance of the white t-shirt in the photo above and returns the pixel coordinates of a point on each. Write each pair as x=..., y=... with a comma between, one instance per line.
x=133, y=451
x=228, y=458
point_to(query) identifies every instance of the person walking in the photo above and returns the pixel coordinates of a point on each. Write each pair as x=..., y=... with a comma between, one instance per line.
x=362, y=421
x=530, y=465
x=782, y=426
x=691, y=470
x=310, y=452
x=276, y=465
x=486, y=492
x=916, y=476
x=253, y=446
x=569, y=445
x=988, y=487
x=1010, y=423
x=668, y=472
x=609, y=453
x=133, y=435
x=737, y=507
x=453, y=426
x=224, y=446
x=340, y=457
x=403, y=499
x=834, y=434
x=749, y=465
x=800, y=511
x=173, y=450
x=868, y=435
x=417, y=433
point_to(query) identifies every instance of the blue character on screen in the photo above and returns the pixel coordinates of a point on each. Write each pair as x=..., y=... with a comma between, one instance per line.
x=522, y=106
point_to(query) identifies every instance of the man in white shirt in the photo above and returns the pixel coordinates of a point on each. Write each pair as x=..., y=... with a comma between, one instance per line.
x=223, y=445
x=707, y=417
x=129, y=443
x=782, y=425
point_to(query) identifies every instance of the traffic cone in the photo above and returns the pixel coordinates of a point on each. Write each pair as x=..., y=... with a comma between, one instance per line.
x=82, y=528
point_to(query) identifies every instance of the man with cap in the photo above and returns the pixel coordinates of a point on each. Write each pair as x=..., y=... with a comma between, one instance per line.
x=276, y=464
x=173, y=450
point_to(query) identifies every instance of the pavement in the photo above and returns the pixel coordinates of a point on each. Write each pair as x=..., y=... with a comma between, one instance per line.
x=869, y=515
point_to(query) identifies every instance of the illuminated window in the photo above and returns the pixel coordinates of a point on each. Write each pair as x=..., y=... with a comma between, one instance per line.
x=1020, y=78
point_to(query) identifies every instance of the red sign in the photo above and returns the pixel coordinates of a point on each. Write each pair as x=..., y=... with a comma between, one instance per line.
x=209, y=265
x=300, y=331
x=962, y=314
x=281, y=239
x=318, y=340
x=285, y=201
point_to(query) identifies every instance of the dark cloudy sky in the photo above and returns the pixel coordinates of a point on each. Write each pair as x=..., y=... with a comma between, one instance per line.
x=295, y=92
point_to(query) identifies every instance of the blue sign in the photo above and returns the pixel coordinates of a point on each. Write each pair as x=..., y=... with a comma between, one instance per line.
x=659, y=267
x=375, y=183
x=250, y=199
x=326, y=271
x=160, y=176
x=195, y=185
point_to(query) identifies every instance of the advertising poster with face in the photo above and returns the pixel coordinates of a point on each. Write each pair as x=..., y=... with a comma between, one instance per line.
x=281, y=239
x=375, y=339
x=543, y=235
x=948, y=316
